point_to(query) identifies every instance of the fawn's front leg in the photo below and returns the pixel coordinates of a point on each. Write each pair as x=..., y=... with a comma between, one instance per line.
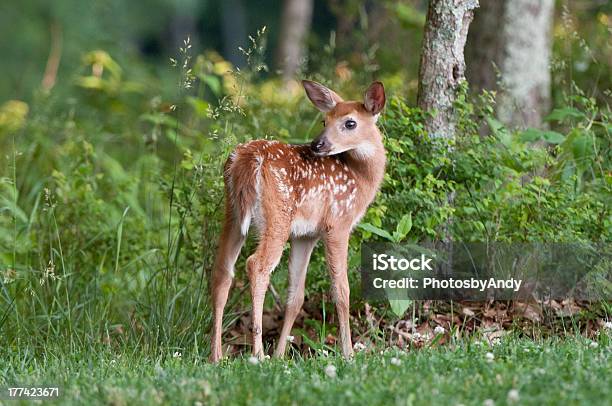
x=336, y=253
x=301, y=248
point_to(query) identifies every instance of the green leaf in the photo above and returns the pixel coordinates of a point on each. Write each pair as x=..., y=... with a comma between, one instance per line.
x=375, y=230
x=403, y=227
x=399, y=306
x=499, y=130
x=398, y=300
x=119, y=237
x=563, y=113
x=530, y=135
x=213, y=83
x=581, y=148
x=553, y=137
x=533, y=135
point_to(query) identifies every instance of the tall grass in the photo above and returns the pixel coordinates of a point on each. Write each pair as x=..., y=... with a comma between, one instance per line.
x=99, y=249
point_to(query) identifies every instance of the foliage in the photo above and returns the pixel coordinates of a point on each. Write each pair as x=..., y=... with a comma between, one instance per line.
x=504, y=186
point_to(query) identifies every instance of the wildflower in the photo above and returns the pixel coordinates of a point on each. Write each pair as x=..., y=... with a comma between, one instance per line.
x=489, y=356
x=177, y=354
x=513, y=396
x=608, y=325
x=396, y=362
x=290, y=338
x=330, y=371
x=253, y=360
x=488, y=402
x=9, y=276
x=359, y=346
x=593, y=344
x=439, y=330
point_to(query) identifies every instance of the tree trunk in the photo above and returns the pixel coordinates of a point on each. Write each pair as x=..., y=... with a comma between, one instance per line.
x=295, y=25
x=515, y=37
x=441, y=73
x=233, y=27
x=483, y=51
x=442, y=65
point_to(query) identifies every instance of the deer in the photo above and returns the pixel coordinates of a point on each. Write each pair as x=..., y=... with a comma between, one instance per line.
x=301, y=194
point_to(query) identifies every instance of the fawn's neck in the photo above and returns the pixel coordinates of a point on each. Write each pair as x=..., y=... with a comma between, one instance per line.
x=368, y=165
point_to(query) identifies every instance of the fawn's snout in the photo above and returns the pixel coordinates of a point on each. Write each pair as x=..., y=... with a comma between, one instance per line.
x=320, y=145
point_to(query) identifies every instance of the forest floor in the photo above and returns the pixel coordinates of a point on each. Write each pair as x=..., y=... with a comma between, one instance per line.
x=574, y=370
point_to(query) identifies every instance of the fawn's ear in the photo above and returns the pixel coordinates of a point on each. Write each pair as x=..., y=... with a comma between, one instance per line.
x=323, y=98
x=374, y=99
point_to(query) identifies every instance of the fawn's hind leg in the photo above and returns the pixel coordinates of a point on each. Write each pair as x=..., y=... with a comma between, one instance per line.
x=223, y=273
x=301, y=248
x=259, y=267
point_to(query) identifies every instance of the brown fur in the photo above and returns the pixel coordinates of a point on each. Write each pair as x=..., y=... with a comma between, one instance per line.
x=289, y=192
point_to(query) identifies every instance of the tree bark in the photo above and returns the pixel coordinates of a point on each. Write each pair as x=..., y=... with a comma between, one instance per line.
x=295, y=25
x=442, y=64
x=516, y=37
x=483, y=51
x=441, y=73
x=233, y=27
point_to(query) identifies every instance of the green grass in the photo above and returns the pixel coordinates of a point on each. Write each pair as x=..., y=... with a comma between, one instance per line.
x=570, y=371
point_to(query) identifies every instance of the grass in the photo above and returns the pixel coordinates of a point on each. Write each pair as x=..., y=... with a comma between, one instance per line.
x=569, y=371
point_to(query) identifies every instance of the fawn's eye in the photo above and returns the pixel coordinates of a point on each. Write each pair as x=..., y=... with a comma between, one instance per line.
x=350, y=124
x=323, y=122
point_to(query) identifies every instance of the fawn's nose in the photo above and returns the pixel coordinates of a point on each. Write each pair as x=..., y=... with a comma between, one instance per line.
x=318, y=145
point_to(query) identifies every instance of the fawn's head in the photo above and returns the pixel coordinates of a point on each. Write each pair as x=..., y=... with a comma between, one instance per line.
x=349, y=125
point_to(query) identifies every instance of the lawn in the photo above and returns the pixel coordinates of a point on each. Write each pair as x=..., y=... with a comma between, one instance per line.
x=520, y=371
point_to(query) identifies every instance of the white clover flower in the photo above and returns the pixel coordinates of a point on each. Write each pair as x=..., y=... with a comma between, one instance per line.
x=177, y=355
x=513, y=396
x=396, y=362
x=330, y=371
x=253, y=360
x=489, y=356
x=608, y=325
x=290, y=338
x=593, y=344
x=439, y=330
x=488, y=402
x=359, y=346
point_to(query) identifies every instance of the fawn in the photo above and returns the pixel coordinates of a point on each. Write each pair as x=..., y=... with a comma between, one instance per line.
x=300, y=193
